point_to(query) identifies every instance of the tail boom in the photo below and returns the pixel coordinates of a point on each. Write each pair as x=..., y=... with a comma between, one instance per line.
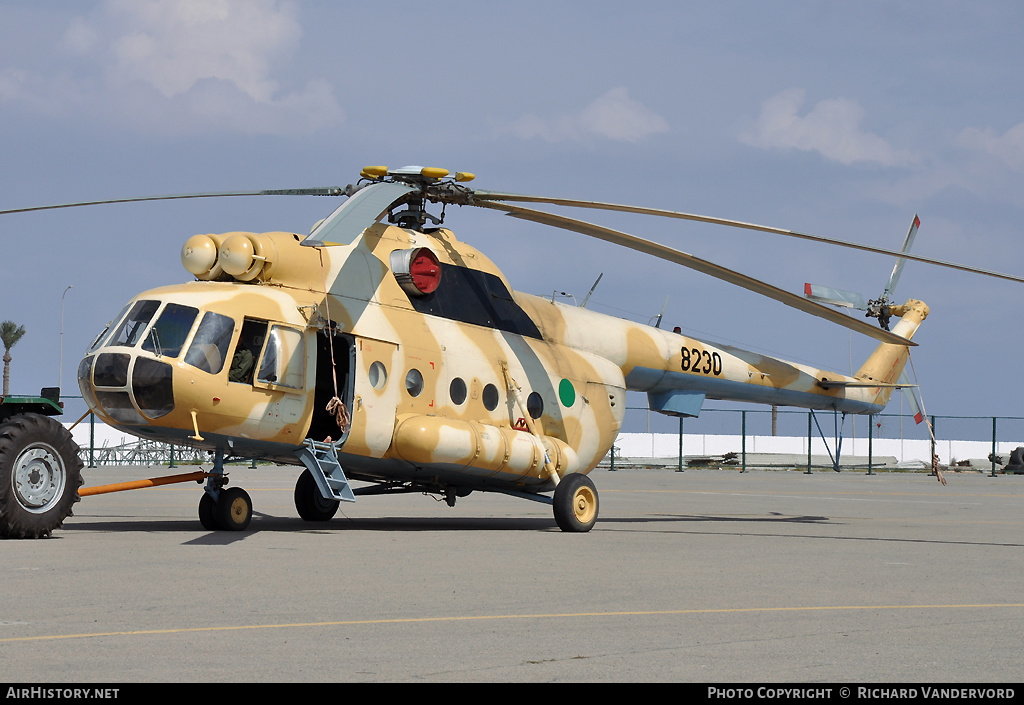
x=678, y=372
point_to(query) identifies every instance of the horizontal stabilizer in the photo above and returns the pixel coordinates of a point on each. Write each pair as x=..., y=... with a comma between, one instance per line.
x=676, y=402
x=829, y=383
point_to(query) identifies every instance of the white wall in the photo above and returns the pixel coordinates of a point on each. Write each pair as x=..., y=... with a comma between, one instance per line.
x=103, y=435
x=666, y=445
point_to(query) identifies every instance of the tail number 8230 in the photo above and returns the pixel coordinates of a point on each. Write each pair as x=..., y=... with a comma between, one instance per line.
x=701, y=362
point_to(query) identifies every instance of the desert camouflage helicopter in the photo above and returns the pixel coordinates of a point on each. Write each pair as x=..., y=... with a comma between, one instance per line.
x=380, y=348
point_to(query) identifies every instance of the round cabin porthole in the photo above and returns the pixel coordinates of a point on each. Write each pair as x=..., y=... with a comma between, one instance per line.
x=490, y=397
x=378, y=375
x=414, y=382
x=534, y=405
x=457, y=391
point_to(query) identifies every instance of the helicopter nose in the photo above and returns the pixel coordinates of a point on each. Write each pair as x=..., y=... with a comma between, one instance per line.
x=126, y=388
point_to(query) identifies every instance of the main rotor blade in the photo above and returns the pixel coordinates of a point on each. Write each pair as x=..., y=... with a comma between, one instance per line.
x=710, y=268
x=481, y=196
x=320, y=191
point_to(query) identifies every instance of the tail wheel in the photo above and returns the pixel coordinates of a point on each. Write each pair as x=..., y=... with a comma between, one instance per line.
x=40, y=473
x=575, y=503
x=233, y=509
x=310, y=504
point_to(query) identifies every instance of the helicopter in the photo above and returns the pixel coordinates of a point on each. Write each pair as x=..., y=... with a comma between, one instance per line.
x=380, y=348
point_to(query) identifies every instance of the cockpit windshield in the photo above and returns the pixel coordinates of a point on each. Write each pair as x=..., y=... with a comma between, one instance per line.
x=170, y=330
x=166, y=336
x=103, y=334
x=209, y=346
x=134, y=324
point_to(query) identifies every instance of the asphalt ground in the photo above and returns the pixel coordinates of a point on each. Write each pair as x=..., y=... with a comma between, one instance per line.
x=706, y=576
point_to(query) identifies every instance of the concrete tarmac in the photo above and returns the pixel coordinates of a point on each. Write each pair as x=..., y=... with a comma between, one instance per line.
x=708, y=576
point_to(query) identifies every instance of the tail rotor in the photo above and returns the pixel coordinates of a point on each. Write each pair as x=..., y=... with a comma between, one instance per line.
x=879, y=308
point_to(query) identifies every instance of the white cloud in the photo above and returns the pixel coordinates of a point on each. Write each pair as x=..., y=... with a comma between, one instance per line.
x=184, y=66
x=613, y=116
x=80, y=37
x=51, y=97
x=1008, y=147
x=173, y=44
x=831, y=128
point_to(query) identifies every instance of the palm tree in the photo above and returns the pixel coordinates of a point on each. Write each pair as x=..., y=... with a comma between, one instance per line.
x=10, y=333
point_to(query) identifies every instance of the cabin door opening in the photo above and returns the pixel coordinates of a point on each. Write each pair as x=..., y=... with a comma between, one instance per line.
x=325, y=424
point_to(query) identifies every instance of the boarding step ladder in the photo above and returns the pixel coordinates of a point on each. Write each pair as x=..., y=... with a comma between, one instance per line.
x=321, y=459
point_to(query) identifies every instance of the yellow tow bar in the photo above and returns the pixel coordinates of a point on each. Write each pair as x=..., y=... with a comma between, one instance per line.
x=198, y=476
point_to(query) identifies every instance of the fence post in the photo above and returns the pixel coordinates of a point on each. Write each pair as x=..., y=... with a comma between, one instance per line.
x=993, y=447
x=680, y=468
x=871, y=423
x=92, y=439
x=809, y=439
x=743, y=432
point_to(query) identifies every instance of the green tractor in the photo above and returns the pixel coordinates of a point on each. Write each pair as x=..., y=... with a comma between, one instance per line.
x=40, y=469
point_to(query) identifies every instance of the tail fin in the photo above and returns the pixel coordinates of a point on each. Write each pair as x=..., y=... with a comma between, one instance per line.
x=886, y=363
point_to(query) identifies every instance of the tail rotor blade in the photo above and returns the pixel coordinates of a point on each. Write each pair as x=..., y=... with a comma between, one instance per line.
x=835, y=297
x=898, y=269
x=908, y=392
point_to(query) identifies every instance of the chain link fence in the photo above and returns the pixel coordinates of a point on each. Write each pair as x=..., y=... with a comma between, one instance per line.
x=100, y=444
x=799, y=438
x=756, y=437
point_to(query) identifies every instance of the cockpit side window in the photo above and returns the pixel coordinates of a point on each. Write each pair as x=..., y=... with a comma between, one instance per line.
x=168, y=334
x=135, y=323
x=250, y=343
x=284, y=358
x=209, y=348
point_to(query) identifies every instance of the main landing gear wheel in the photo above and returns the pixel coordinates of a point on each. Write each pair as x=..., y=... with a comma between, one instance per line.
x=575, y=503
x=40, y=473
x=231, y=511
x=310, y=504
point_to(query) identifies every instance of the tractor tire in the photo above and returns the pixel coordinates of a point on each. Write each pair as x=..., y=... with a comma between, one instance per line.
x=40, y=473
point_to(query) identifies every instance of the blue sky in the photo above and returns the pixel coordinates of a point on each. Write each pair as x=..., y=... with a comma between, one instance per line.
x=838, y=119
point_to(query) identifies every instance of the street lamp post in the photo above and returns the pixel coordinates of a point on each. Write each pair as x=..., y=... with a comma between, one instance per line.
x=60, y=359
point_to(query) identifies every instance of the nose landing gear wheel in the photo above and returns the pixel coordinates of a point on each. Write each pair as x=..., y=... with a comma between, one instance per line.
x=233, y=509
x=575, y=503
x=208, y=512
